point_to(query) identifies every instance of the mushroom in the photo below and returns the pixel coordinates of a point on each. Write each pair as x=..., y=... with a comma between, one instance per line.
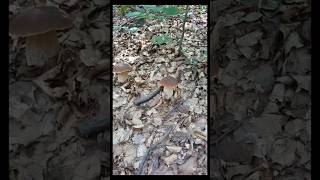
x=39, y=25
x=169, y=84
x=122, y=71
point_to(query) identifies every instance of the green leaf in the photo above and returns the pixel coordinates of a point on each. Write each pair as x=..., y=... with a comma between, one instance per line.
x=161, y=39
x=149, y=6
x=139, y=21
x=140, y=9
x=124, y=9
x=119, y=27
x=161, y=18
x=154, y=9
x=134, y=14
x=171, y=11
x=133, y=29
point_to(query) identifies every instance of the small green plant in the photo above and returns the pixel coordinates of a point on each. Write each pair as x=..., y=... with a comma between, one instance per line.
x=161, y=39
x=157, y=12
x=124, y=9
x=153, y=12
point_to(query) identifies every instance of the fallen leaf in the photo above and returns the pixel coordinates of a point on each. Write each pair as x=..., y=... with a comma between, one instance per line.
x=121, y=135
x=293, y=41
x=249, y=39
x=170, y=159
x=251, y=17
x=90, y=56
x=174, y=149
x=189, y=167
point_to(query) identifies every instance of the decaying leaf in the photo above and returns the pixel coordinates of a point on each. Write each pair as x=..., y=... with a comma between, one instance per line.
x=121, y=135
x=189, y=167
x=170, y=159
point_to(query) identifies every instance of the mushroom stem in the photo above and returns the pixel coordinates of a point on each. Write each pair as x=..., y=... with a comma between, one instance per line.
x=122, y=77
x=168, y=92
x=40, y=48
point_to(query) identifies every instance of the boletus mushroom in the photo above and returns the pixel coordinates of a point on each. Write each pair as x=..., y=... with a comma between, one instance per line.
x=169, y=84
x=39, y=25
x=122, y=70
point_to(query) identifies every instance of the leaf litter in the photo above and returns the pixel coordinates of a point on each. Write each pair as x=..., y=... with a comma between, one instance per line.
x=48, y=105
x=261, y=90
x=156, y=136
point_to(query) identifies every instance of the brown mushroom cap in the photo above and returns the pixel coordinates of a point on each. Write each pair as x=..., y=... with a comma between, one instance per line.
x=120, y=68
x=168, y=82
x=39, y=20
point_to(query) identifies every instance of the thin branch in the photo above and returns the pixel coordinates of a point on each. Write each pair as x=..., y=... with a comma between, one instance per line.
x=184, y=24
x=148, y=97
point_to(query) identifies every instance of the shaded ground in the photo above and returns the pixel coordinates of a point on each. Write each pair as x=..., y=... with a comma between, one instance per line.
x=47, y=105
x=137, y=128
x=261, y=95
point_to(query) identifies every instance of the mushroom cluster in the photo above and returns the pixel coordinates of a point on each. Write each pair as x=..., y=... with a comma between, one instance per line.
x=39, y=25
x=168, y=83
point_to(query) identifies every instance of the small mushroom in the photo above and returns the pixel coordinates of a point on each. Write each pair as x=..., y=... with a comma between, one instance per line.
x=122, y=71
x=169, y=84
x=39, y=25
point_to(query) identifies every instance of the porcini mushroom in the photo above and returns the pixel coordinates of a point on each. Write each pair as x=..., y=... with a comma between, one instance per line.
x=169, y=84
x=39, y=26
x=122, y=70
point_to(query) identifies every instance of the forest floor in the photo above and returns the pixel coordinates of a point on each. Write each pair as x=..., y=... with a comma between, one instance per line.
x=137, y=128
x=260, y=98
x=47, y=106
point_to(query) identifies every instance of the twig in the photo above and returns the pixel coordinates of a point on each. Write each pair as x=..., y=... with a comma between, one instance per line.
x=89, y=128
x=230, y=130
x=154, y=146
x=183, y=29
x=151, y=148
x=148, y=97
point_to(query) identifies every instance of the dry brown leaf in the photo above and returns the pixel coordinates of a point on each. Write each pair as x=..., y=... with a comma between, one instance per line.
x=189, y=167
x=170, y=159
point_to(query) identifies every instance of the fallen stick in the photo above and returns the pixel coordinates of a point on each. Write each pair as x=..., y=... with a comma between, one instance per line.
x=92, y=127
x=148, y=97
x=162, y=140
x=151, y=148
